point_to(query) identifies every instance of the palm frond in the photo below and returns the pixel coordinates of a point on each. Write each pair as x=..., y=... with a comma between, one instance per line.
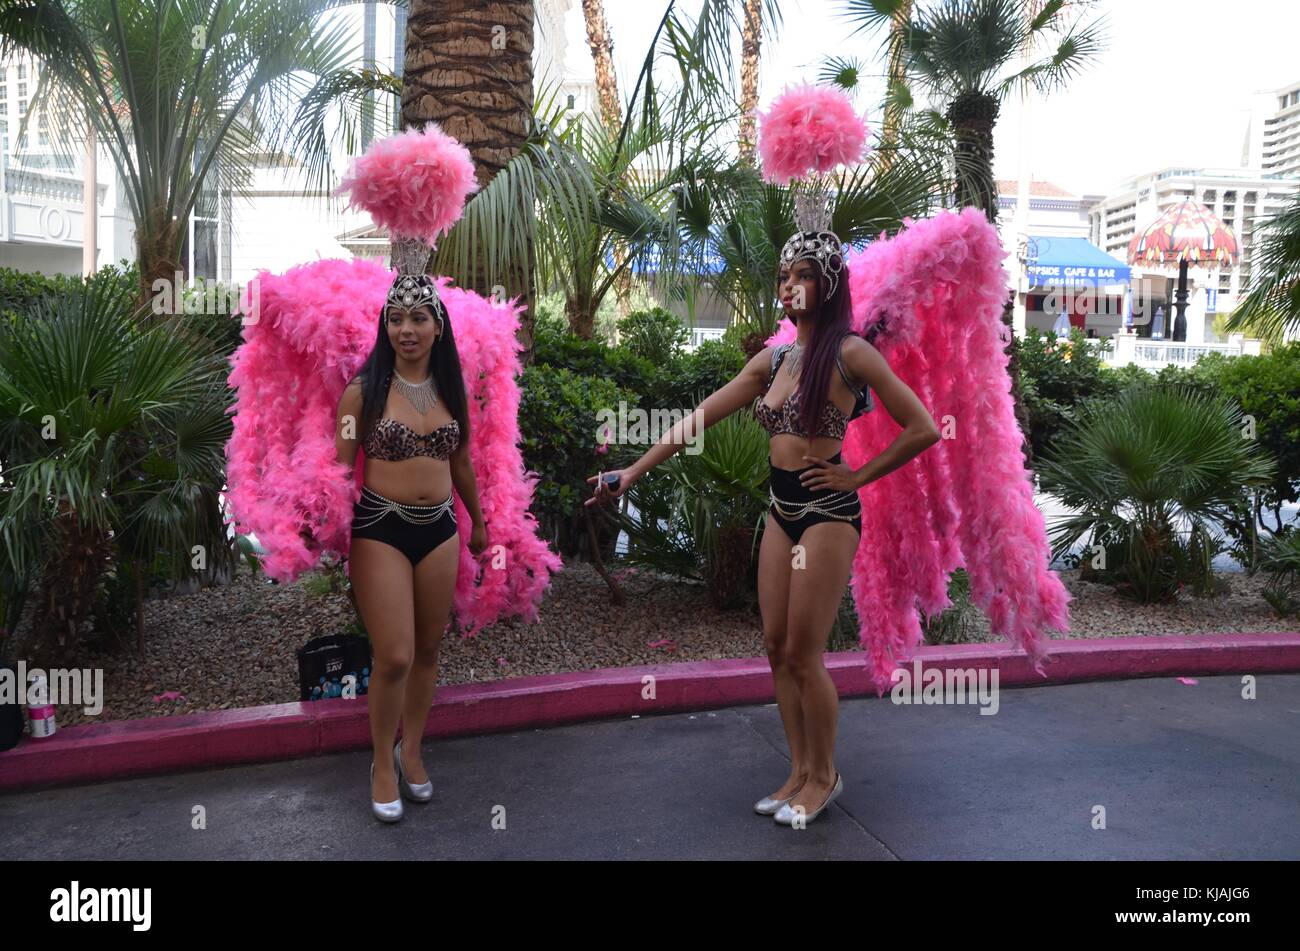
x=1271, y=308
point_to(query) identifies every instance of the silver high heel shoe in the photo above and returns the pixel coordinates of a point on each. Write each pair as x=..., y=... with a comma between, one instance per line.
x=384, y=811
x=421, y=792
x=767, y=806
x=785, y=815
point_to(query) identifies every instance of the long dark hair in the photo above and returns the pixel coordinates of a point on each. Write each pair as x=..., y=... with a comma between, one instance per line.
x=834, y=320
x=444, y=364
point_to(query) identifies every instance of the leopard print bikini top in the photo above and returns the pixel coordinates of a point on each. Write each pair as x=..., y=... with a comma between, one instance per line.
x=393, y=441
x=786, y=419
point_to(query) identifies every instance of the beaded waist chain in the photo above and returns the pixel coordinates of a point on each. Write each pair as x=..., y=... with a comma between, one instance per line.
x=801, y=501
x=376, y=506
x=841, y=505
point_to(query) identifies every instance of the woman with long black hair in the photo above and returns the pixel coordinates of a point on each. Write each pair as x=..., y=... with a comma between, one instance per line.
x=407, y=408
x=814, y=523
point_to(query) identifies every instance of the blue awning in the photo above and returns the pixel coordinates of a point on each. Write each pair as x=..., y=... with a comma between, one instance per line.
x=713, y=262
x=1072, y=262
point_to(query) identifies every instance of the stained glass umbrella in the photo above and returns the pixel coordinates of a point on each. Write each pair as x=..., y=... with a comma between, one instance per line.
x=1187, y=234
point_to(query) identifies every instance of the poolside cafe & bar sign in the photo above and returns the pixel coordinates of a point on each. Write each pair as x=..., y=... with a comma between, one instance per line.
x=1077, y=275
x=1071, y=262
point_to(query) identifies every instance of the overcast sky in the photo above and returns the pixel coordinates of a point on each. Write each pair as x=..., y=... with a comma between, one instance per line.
x=1172, y=87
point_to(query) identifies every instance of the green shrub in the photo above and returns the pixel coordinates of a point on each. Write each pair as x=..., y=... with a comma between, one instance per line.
x=955, y=624
x=1157, y=477
x=1267, y=388
x=559, y=413
x=1055, y=376
x=687, y=381
x=564, y=351
x=656, y=335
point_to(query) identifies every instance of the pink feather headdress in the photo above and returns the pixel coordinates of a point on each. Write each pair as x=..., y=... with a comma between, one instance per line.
x=809, y=130
x=805, y=134
x=413, y=183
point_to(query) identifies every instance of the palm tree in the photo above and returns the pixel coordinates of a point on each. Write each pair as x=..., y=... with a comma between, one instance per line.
x=113, y=453
x=962, y=53
x=581, y=193
x=602, y=54
x=176, y=91
x=896, y=90
x=750, y=46
x=1272, y=308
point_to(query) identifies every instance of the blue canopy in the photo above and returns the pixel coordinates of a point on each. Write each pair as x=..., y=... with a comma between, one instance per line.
x=1072, y=262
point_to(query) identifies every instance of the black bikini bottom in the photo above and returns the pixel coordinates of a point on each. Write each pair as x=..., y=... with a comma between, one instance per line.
x=414, y=530
x=816, y=505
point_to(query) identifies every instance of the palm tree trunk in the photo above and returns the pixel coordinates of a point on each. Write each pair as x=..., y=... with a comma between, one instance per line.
x=79, y=556
x=897, y=73
x=158, y=246
x=973, y=116
x=611, y=113
x=469, y=68
x=751, y=38
x=602, y=54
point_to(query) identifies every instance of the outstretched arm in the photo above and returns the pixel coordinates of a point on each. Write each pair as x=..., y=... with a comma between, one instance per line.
x=738, y=392
x=865, y=363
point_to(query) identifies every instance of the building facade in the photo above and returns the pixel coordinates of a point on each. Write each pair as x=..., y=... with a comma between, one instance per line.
x=1272, y=142
x=1239, y=197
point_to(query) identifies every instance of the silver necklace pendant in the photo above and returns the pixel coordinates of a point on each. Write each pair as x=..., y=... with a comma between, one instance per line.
x=422, y=396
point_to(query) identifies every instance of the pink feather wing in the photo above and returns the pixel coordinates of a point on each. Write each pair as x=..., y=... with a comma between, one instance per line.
x=312, y=328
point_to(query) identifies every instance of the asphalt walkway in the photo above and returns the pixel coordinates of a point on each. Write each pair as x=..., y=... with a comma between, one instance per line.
x=1181, y=772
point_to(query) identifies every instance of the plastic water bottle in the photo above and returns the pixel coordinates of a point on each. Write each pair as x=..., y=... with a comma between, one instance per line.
x=43, y=723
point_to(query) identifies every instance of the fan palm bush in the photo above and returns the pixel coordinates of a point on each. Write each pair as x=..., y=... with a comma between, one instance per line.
x=698, y=515
x=112, y=452
x=1155, y=476
x=1280, y=558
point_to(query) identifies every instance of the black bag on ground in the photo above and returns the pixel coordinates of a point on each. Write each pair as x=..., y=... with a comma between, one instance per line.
x=323, y=662
x=11, y=714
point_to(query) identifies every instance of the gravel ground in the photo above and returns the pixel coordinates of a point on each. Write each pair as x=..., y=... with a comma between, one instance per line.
x=233, y=646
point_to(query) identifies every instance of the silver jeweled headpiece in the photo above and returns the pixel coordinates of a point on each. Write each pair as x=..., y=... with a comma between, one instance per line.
x=814, y=241
x=413, y=287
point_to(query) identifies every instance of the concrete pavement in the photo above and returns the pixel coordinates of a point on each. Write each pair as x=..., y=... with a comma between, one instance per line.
x=1181, y=772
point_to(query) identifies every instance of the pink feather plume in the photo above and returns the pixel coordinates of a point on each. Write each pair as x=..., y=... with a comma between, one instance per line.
x=414, y=183
x=809, y=129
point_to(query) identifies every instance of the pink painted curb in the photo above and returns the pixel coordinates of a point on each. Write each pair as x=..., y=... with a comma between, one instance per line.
x=131, y=748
